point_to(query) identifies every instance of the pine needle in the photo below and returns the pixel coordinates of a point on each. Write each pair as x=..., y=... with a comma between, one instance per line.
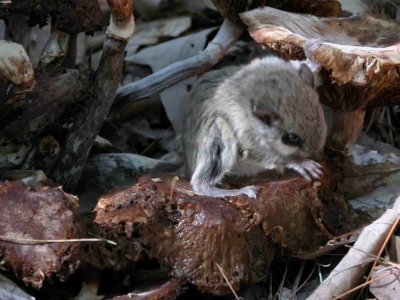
x=42, y=242
x=227, y=282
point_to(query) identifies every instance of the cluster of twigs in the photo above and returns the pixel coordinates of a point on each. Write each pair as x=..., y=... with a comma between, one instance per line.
x=384, y=124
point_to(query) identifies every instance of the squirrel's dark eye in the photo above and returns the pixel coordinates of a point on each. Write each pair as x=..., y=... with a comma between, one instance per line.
x=292, y=139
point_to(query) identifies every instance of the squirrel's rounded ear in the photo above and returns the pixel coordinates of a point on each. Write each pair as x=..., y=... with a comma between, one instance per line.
x=306, y=74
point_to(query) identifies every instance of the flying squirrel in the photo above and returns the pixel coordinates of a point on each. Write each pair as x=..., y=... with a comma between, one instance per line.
x=244, y=120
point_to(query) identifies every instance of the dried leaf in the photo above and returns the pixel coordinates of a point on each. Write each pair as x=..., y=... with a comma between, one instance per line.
x=199, y=5
x=9, y=290
x=385, y=284
x=354, y=7
x=150, y=33
x=349, y=272
x=166, y=53
x=372, y=176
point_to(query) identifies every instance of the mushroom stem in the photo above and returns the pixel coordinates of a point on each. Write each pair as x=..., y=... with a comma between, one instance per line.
x=86, y=126
x=347, y=126
x=56, y=50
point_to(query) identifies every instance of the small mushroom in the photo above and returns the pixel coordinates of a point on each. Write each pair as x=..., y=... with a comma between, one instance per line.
x=16, y=67
x=122, y=23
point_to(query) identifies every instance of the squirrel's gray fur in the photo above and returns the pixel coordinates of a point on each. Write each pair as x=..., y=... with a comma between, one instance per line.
x=237, y=121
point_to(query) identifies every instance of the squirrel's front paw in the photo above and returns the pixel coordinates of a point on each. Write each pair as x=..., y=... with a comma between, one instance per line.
x=250, y=191
x=309, y=169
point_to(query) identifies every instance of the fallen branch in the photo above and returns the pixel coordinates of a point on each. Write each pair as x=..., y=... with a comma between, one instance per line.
x=176, y=72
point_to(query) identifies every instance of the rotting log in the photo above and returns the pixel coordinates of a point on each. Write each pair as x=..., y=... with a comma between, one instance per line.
x=26, y=116
x=358, y=56
x=191, y=234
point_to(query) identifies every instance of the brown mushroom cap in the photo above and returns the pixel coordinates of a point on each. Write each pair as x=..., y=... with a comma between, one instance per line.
x=38, y=213
x=322, y=8
x=191, y=234
x=360, y=54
